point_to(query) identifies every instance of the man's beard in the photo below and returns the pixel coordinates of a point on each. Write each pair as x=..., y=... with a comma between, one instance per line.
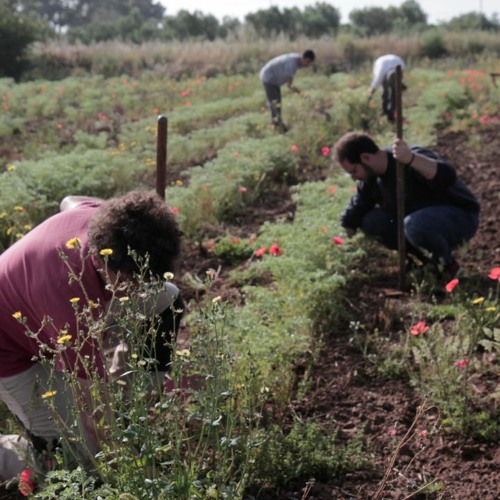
x=370, y=173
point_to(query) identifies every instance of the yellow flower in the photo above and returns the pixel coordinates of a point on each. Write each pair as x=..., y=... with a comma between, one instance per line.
x=18, y=208
x=216, y=299
x=479, y=300
x=121, y=382
x=11, y=168
x=48, y=394
x=491, y=309
x=9, y=231
x=183, y=352
x=27, y=227
x=123, y=299
x=17, y=315
x=106, y=251
x=3, y=215
x=73, y=243
x=63, y=339
x=93, y=305
x=75, y=300
x=168, y=276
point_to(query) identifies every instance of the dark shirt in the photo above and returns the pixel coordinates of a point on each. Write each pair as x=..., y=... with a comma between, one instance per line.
x=444, y=189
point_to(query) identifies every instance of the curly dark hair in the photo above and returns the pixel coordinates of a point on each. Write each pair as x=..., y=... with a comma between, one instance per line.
x=352, y=145
x=140, y=222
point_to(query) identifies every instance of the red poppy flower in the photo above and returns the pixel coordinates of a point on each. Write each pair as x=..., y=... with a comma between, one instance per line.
x=242, y=189
x=175, y=210
x=188, y=103
x=235, y=240
x=274, y=249
x=337, y=240
x=419, y=328
x=461, y=363
x=294, y=148
x=494, y=273
x=325, y=151
x=260, y=252
x=185, y=93
x=331, y=189
x=26, y=483
x=451, y=285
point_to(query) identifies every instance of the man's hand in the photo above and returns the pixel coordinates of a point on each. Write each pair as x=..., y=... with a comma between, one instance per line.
x=422, y=164
x=402, y=151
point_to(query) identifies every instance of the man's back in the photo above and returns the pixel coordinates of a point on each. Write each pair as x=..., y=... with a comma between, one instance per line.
x=34, y=281
x=280, y=69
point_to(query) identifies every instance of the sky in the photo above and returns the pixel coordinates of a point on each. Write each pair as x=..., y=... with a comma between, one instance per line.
x=436, y=10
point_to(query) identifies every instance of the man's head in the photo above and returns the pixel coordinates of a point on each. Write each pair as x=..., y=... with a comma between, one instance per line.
x=307, y=58
x=358, y=154
x=138, y=221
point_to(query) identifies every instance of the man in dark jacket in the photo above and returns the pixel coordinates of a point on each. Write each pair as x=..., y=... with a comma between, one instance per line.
x=440, y=211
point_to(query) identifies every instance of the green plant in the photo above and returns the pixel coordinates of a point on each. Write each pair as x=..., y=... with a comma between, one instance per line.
x=306, y=451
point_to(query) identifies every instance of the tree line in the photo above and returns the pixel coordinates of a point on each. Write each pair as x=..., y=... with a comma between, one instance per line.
x=23, y=22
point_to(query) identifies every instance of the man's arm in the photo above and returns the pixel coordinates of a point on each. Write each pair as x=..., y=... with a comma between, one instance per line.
x=359, y=205
x=292, y=87
x=425, y=166
x=72, y=201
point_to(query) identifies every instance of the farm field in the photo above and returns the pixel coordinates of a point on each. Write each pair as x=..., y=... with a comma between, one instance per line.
x=326, y=393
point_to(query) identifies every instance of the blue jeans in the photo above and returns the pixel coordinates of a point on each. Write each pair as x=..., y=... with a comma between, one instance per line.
x=435, y=230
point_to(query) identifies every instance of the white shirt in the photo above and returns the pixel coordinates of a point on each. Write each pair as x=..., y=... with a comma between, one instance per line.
x=382, y=66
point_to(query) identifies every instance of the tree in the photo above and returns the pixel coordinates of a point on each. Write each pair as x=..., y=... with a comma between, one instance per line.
x=271, y=22
x=191, y=25
x=372, y=21
x=320, y=19
x=17, y=32
x=472, y=21
x=409, y=17
x=70, y=14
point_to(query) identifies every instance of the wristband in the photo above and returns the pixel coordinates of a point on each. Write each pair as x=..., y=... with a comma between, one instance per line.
x=411, y=160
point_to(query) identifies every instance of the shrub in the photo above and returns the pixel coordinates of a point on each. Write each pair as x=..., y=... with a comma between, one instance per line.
x=432, y=45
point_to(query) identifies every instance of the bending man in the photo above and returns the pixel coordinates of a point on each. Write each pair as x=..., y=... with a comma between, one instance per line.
x=58, y=281
x=440, y=211
x=277, y=72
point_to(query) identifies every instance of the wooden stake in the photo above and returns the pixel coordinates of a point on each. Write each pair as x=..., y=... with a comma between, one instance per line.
x=161, y=156
x=400, y=183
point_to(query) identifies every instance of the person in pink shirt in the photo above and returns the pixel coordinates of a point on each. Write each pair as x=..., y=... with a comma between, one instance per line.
x=71, y=262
